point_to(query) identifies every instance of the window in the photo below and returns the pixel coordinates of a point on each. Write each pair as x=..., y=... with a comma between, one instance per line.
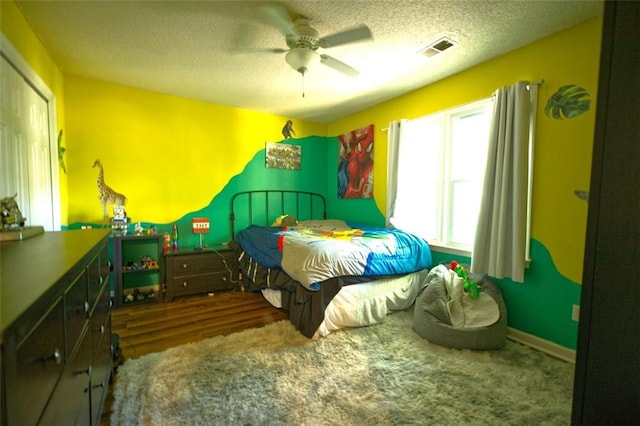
x=441, y=162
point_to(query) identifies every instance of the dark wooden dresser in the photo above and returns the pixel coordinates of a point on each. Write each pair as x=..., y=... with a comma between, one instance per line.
x=56, y=328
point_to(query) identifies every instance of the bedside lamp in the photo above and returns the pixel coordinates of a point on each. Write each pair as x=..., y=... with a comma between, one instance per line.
x=200, y=226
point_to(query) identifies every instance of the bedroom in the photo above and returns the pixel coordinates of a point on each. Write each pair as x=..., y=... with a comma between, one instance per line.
x=169, y=185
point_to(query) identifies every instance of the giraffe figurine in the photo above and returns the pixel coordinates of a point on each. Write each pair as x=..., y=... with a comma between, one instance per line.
x=106, y=195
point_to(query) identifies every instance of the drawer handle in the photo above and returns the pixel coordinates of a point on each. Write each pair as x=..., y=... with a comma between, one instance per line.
x=185, y=266
x=86, y=371
x=100, y=385
x=102, y=329
x=185, y=284
x=86, y=306
x=57, y=357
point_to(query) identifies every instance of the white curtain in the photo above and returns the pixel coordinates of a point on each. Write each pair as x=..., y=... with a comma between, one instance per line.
x=501, y=235
x=393, y=147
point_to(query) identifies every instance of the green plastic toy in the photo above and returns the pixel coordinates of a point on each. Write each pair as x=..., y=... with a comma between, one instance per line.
x=469, y=286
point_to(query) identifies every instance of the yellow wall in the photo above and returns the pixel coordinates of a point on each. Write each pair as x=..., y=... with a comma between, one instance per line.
x=168, y=155
x=19, y=33
x=563, y=148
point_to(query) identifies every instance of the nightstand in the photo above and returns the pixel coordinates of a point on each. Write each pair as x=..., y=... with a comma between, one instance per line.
x=192, y=272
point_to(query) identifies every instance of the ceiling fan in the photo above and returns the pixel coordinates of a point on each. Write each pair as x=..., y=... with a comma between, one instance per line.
x=303, y=40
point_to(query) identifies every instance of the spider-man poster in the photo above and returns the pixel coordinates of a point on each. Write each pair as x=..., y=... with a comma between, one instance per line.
x=355, y=166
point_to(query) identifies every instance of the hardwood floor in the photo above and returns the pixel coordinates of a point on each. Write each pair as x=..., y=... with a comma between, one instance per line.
x=155, y=327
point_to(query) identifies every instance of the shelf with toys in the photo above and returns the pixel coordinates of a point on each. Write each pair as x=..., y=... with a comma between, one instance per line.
x=138, y=266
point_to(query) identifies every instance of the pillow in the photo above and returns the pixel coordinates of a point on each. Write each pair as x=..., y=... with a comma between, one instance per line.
x=326, y=224
x=285, y=220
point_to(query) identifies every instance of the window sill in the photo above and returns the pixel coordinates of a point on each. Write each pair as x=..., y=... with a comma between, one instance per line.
x=450, y=250
x=462, y=252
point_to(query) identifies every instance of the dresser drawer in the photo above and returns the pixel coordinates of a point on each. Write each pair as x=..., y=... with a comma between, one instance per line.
x=76, y=309
x=101, y=361
x=94, y=280
x=99, y=324
x=69, y=403
x=40, y=359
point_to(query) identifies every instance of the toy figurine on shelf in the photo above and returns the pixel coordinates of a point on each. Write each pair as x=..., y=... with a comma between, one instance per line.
x=175, y=237
x=120, y=221
x=10, y=213
x=137, y=294
x=167, y=242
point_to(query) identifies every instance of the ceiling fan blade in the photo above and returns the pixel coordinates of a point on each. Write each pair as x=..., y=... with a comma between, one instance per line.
x=339, y=66
x=277, y=15
x=352, y=35
x=258, y=50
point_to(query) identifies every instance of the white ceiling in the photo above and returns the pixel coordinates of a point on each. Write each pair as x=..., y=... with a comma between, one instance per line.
x=186, y=48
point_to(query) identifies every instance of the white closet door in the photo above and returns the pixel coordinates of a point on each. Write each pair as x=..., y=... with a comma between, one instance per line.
x=25, y=148
x=38, y=161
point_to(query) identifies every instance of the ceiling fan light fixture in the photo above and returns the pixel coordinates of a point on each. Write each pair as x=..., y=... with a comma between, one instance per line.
x=300, y=59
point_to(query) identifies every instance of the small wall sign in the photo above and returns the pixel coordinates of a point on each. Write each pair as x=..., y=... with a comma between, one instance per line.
x=200, y=225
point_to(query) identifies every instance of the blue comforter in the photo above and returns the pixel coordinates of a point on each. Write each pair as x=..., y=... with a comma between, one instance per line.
x=312, y=253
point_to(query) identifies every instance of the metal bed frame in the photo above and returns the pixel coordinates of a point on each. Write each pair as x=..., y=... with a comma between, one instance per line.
x=278, y=201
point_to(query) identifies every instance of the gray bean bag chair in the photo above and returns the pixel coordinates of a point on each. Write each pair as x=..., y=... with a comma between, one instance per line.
x=431, y=318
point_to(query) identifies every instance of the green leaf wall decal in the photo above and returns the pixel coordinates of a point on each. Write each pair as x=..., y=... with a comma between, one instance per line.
x=61, y=151
x=568, y=102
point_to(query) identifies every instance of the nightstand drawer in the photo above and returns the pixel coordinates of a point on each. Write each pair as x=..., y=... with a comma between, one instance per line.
x=192, y=284
x=222, y=281
x=186, y=265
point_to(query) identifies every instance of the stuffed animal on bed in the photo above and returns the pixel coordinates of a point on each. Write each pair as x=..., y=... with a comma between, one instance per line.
x=285, y=220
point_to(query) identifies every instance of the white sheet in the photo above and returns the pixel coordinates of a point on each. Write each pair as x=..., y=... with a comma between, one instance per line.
x=465, y=312
x=273, y=296
x=363, y=304
x=369, y=303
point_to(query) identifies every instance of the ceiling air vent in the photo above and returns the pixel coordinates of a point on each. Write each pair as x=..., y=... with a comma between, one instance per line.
x=438, y=47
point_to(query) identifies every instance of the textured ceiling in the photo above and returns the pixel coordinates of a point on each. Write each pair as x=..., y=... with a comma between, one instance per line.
x=191, y=48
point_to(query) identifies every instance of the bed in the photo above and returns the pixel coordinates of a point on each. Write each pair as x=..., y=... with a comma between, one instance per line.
x=327, y=274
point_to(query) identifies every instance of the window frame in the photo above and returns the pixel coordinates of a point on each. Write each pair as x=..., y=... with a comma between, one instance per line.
x=445, y=212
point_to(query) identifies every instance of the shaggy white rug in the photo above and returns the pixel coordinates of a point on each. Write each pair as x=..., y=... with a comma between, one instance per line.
x=379, y=375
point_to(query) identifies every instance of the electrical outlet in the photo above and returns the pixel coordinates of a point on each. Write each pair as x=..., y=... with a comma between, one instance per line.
x=575, y=313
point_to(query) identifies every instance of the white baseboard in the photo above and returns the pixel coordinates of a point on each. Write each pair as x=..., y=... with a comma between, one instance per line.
x=542, y=345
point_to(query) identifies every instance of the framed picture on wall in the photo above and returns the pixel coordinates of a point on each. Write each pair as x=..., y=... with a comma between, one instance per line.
x=283, y=156
x=355, y=163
